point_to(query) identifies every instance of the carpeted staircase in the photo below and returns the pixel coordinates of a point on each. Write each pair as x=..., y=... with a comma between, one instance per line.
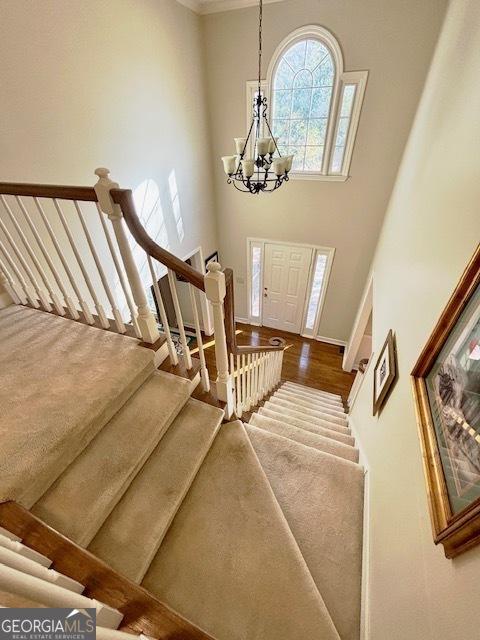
x=249, y=531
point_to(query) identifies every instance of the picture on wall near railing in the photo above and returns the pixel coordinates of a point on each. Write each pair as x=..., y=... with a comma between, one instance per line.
x=385, y=373
x=447, y=392
x=212, y=258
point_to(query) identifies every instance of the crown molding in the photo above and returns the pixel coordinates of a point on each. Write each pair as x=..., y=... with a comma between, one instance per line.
x=204, y=7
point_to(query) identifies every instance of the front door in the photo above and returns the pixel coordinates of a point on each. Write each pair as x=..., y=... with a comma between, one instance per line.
x=285, y=285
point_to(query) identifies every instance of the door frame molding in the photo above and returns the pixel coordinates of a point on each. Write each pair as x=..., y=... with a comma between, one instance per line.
x=329, y=251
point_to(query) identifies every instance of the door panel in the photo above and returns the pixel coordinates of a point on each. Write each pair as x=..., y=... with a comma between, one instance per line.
x=285, y=283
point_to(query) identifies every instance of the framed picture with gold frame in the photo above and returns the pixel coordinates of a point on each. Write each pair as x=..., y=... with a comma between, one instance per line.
x=385, y=373
x=446, y=385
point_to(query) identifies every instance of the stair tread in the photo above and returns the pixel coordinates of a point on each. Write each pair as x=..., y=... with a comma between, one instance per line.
x=224, y=561
x=294, y=406
x=302, y=422
x=336, y=405
x=99, y=476
x=312, y=390
x=308, y=438
x=310, y=404
x=327, y=526
x=64, y=360
x=131, y=535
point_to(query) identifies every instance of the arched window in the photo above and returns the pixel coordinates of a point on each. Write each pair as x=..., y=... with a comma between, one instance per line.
x=315, y=105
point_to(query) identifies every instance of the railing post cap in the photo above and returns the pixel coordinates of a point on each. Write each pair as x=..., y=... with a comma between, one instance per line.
x=214, y=266
x=102, y=172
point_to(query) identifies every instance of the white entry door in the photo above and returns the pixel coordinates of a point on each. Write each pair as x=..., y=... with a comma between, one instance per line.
x=285, y=281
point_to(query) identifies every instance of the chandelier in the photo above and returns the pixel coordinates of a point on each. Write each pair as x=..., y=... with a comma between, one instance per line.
x=268, y=169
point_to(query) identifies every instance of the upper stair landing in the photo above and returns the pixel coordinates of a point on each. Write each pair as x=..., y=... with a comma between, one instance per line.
x=61, y=382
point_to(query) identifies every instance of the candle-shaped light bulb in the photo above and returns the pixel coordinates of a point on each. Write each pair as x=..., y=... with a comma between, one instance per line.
x=279, y=165
x=248, y=168
x=240, y=145
x=288, y=162
x=263, y=144
x=229, y=164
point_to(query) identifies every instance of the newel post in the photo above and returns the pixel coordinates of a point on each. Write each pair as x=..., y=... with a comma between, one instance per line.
x=146, y=320
x=215, y=291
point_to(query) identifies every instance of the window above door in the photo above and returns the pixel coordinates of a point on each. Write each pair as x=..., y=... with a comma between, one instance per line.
x=314, y=104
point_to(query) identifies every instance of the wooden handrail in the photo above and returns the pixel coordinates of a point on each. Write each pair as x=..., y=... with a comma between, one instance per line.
x=143, y=612
x=124, y=198
x=60, y=192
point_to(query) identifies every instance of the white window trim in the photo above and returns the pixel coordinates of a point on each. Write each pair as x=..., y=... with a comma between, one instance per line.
x=316, y=249
x=329, y=252
x=358, y=78
x=341, y=78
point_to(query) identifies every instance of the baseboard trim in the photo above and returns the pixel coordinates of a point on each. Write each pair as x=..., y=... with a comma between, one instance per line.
x=365, y=595
x=338, y=343
x=247, y=321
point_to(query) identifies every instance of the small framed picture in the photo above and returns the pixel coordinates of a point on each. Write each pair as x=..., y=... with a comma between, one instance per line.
x=385, y=373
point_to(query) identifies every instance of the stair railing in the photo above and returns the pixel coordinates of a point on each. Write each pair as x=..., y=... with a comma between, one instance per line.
x=50, y=258
x=245, y=374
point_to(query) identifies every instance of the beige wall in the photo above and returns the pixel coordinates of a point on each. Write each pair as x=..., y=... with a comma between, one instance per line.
x=430, y=232
x=115, y=83
x=394, y=40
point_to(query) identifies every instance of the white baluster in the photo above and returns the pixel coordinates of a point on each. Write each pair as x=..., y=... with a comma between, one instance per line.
x=198, y=333
x=100, y=311
x=146, y=319
x=239, y=389
x=113, y=305
x=59, y=308
x=28, y=293
x=264, y=375
x=215, y=291
x=6, y=281
x=244, y=383
x=255, y=379
x=118, y=269
x=178, y=314
x=33, y=290
x=26, y=565
x=163, y=316
x=271, y=369
x=41, y=293
x=71, y=307
x=233, y=379
x=33, y=588
x=249, y=381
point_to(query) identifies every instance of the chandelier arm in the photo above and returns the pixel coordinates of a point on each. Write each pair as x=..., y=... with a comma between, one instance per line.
x=272, y=136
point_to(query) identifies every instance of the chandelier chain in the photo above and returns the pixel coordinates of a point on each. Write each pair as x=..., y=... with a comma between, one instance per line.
x=260, y=17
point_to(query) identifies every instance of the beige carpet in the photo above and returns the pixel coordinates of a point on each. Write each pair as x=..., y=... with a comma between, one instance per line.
x=321, y=496
x=251, y=533
x=306, y=393
x=311, y=411
x=94, y=483
x=320, y=405
x=317, y=392
x=158, y=489
x=322, y=427
x=322, y=443
x=229, y=562
x=61, y=381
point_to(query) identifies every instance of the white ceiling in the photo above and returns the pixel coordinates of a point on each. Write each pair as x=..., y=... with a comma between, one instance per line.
x=214, y=6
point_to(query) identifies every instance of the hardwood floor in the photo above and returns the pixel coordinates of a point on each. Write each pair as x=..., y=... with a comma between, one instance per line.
x=309, y=362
